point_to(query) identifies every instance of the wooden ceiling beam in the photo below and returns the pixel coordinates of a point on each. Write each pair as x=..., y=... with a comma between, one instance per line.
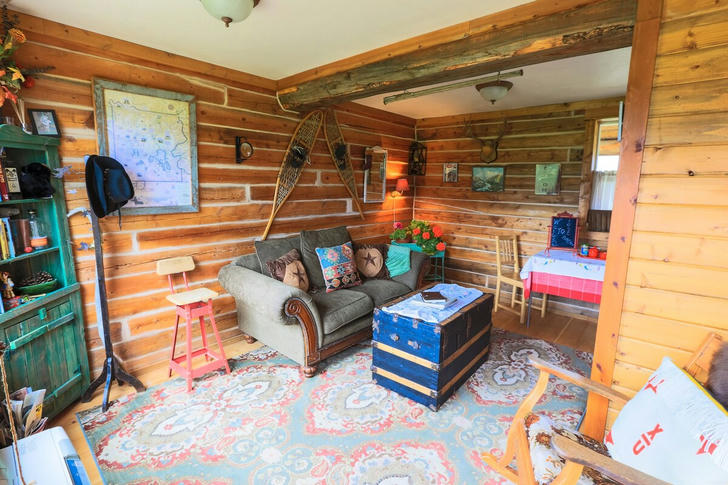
x=541, y=31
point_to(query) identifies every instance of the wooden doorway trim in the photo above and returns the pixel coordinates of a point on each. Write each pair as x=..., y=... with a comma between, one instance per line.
x=637, y=107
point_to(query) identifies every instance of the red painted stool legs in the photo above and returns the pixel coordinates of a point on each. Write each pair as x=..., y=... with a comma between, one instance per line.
x=214, y=361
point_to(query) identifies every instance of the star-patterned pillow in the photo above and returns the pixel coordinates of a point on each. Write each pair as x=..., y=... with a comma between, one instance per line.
x=370, y=261
x=338, y=267
x=289, y=269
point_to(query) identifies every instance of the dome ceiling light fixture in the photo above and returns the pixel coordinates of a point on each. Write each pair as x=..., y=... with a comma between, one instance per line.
x=483, y=81
x=494, y=90
x=229, y=10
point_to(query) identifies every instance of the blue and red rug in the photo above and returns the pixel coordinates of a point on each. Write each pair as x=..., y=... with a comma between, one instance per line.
x=266, y=424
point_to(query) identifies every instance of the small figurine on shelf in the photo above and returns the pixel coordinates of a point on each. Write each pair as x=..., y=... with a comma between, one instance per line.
x=10, y=301
x=7, y=285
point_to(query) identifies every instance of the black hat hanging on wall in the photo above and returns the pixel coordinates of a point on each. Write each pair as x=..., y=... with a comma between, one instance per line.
x=243, y=149
x=35, y=181
x=107, y=184
x=298, y=156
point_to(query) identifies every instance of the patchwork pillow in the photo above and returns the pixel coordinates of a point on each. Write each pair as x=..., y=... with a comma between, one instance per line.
x=324, y=238
x=370, y=260
x=338, y=267
x=398, y=260
x=673, y=430
x=289, y=269
x=547, y=464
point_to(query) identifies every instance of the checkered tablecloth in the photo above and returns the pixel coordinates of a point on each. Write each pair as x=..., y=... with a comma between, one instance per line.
x=563, y=273
x=566, y=286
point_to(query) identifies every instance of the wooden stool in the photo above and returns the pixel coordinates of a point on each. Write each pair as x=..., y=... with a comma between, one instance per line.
x=191, y=304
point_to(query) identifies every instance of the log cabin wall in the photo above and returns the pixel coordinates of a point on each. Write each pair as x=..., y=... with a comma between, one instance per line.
x=471, y=220
x=678, y=264
x=235, y=200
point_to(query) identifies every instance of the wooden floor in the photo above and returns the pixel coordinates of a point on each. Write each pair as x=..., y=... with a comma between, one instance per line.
x=576, y=332
x=565, y=330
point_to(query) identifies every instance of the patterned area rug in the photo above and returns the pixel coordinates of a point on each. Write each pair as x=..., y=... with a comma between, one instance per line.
x=266, y=424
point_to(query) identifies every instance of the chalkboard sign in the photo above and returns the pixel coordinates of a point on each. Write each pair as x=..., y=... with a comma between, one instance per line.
x=564, y=232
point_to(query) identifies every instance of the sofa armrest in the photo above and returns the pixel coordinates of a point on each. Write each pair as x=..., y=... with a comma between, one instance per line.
x=419, y=268
x=267, y=296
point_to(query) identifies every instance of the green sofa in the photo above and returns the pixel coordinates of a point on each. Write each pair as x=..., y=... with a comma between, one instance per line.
x=309, y=327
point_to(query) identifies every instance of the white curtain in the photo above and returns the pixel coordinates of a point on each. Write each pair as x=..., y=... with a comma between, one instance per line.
x=603, y=187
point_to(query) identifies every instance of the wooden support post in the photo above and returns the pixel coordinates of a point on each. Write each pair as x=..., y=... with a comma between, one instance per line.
x=587, y=175
x=637, y=107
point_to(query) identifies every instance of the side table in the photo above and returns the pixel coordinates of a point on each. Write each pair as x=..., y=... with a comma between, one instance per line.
x=437, y=259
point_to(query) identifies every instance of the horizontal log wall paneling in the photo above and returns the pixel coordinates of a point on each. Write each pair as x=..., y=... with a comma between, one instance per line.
x=471, y=220
x=678, y=268
x=235, y=199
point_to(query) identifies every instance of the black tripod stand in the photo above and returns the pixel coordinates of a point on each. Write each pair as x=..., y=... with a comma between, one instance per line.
x=112, y=368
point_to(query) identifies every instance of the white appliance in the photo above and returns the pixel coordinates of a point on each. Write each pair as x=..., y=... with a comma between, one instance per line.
x=47, y=458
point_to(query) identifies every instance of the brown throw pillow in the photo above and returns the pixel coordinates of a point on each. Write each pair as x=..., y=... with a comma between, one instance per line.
x=289, y=269
x=370, y=261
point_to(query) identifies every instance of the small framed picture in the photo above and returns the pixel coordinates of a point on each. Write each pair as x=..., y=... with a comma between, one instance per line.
x=44, y=122
x=487, y=178
x=450, y=172
x=547, y=178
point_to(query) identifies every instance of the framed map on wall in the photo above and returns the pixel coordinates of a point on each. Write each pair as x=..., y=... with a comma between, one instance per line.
x=152, y=133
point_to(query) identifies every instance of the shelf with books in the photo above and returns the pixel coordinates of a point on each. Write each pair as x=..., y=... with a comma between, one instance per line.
x=35, y=253
x=46, y=327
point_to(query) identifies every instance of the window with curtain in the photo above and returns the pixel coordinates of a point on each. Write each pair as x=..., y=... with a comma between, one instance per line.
x=604, y=182
x=604, y=179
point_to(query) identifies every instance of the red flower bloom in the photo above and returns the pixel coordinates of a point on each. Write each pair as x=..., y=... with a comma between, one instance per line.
x=416, y=231
x=426, y=236
x=437, y=231
x=440, y=246
x=397, y=225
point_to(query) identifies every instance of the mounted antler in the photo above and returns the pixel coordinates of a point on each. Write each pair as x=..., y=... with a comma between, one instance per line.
x=488, y=148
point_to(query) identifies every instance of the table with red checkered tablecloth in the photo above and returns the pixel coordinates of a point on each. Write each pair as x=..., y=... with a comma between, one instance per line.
x=563, y=273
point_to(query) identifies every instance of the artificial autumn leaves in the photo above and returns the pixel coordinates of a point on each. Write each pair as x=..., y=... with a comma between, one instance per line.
x=12, y=76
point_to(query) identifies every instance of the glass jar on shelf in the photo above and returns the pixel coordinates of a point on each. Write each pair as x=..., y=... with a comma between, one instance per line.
x=38, y=234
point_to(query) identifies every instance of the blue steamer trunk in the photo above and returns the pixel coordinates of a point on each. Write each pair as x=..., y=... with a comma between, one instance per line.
x=427, y=362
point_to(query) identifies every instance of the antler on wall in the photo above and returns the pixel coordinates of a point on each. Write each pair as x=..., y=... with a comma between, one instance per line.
x=488, y=148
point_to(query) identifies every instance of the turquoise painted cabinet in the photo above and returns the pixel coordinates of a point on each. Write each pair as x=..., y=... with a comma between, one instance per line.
x=45, y=337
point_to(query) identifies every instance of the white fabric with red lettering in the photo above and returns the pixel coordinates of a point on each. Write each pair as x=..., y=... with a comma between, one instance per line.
x=673, y=430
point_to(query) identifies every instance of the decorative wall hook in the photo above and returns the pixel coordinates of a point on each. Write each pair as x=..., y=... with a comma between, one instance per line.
x=243, y=149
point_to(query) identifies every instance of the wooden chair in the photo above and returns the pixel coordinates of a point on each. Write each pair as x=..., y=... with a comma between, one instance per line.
x=506, y=254
x=576, y=455
x=192, y=305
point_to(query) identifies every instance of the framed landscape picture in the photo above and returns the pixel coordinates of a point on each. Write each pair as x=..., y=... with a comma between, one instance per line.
x=152, y=133
x=488, y=179
x=547, y=178
x=450, y=172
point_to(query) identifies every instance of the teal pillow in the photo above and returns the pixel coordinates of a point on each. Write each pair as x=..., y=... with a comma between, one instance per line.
x=398, y=260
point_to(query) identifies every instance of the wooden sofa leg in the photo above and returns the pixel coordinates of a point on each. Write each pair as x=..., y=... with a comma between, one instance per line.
x=309, y=370
x=249, y=339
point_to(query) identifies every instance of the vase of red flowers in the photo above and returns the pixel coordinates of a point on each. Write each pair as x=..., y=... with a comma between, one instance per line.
x=427, y=236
